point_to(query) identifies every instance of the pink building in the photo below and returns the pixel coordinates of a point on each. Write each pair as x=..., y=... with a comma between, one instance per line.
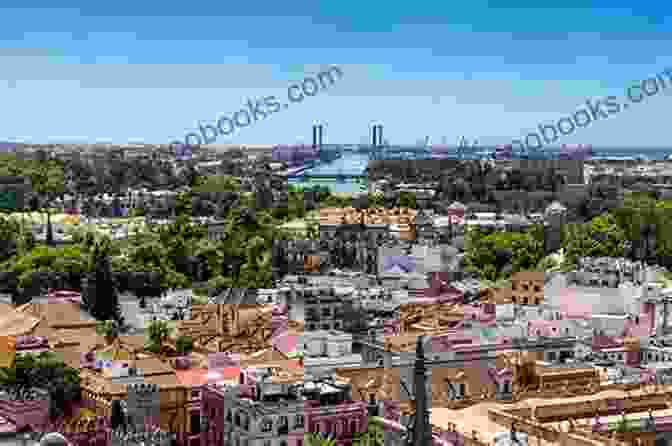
x=276, y=408
x=33, y=416
x=439, y=288
x=343, y=420
x=549, y=329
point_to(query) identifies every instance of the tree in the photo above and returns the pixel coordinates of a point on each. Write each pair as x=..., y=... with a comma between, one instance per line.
x=101, y=295
x=109, y=329
x=496, y=255
x=184, y=345
x=408, y=200
x=315, y=439
x=157, y=333
x=42, y=371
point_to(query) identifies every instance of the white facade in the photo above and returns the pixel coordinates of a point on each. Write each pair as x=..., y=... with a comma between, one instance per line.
x=327, y=343
x=611, y=325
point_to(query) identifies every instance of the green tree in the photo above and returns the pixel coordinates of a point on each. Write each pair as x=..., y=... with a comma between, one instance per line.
x=602, y=237
x=109, y=329
x=100, y=294
x=377, y=200
x=408, y=200
x=314, y=439
x=488, y=253
x=184, y=345
x=157, y=333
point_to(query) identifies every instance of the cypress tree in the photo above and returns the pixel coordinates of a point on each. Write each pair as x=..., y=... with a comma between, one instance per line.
x=101, y=293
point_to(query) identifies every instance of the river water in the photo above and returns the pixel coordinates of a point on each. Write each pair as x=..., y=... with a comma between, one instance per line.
x=351, y=163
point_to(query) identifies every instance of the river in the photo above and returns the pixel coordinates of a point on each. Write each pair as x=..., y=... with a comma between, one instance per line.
x=351, y=163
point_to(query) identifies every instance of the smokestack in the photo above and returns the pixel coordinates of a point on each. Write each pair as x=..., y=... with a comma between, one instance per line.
x=374, y=139
x=319, y=138
x=380, y=135
x=315, y=136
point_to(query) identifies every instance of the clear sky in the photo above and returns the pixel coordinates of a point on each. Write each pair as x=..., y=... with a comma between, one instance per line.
x=149, y=71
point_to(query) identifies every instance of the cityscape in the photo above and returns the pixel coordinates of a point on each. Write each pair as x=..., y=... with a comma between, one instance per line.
x=456, y=233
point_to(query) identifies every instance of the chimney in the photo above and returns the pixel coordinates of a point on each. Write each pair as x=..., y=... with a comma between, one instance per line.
x=320, y=134
x=315, y=137
x=374, y=139
x=380, y=135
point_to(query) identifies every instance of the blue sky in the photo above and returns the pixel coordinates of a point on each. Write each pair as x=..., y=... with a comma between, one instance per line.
x=148, y=71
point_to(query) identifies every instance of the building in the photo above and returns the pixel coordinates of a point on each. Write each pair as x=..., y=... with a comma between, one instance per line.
x=527, y=287
x=571, y=170
x=276, y=407
x=323, y=309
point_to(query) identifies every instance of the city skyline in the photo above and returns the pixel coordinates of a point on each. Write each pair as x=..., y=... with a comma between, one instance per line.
x=95, y=74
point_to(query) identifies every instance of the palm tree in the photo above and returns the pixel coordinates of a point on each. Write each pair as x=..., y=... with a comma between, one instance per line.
x=314, y=439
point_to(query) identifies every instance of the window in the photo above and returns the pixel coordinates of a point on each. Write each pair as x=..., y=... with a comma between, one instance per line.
x=463, y=389
x=524, y=300
x=298, y=422
x=326, y=312
x=195, y=422
x=537, y=288
x=266, y=425
x=283, y=425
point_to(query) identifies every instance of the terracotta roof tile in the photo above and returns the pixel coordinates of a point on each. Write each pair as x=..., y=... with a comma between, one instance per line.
x=16, y=323
x=154, y=366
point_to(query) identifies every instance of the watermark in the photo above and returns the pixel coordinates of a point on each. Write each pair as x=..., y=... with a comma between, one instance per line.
x=259, y=109
x=594, y=111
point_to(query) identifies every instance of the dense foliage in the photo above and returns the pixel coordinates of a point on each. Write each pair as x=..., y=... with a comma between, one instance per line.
x=43, y=371
x=496, y=255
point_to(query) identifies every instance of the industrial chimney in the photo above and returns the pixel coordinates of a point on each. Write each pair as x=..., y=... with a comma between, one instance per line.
x=320, y=135
x=380, y=135
x=315, y=136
